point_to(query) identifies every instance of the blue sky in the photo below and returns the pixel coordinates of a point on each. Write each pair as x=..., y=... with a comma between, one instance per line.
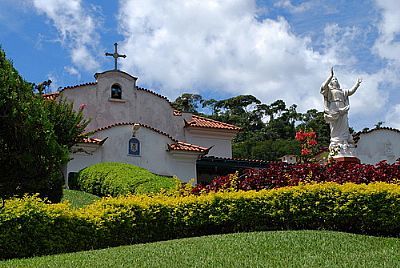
x=218, y=48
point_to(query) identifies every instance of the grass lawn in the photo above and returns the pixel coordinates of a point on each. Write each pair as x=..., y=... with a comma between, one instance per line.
x=79, y=199
x=259, y=249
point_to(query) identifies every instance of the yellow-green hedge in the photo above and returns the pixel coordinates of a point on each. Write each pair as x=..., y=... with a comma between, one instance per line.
x=30, y=227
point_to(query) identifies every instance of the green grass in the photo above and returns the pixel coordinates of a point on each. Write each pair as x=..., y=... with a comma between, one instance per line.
x=78, y=199
x=259, y=249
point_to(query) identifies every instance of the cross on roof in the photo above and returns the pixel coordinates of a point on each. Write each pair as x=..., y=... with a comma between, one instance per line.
x=115, y=55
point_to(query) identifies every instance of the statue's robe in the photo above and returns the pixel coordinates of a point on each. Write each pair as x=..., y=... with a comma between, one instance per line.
x=336, y=103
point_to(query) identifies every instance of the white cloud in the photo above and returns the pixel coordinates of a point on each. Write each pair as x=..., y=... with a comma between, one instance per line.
x=220, y=46
x=304, y=6
x=392, y=118
x=76, y=28
x=72, y=71
x=387, y=46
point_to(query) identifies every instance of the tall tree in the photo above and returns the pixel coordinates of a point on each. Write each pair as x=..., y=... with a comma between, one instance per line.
x=188, y=102
x=35, y=136
x=30, y=156
x=313, y=119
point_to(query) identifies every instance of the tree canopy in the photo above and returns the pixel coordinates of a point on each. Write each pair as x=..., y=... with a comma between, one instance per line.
x=268, y=130
x=34, y=137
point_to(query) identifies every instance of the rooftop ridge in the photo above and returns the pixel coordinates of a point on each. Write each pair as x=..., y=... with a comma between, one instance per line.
x=132, y=123
x=176, y=146
x=79, y=85
x=198, y=121
x=356, y=136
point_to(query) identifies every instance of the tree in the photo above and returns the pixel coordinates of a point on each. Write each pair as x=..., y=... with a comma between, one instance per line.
x=188, y=102
x=32, y=152
x=69, y=125
x=313, y=119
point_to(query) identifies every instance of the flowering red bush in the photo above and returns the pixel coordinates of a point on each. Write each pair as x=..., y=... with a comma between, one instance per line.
x=282, y=174
x=308, y=143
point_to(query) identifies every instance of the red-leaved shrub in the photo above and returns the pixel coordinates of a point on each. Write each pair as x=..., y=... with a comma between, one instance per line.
x=280, y=174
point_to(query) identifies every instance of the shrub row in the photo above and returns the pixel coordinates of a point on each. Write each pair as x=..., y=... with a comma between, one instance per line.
x=280, y=174
x=30, y=227
x=115, y=179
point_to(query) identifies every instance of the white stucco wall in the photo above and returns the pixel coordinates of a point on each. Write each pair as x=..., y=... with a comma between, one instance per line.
x=136, y=105
x=140, y=106
x=220, y=140
x=380, y=144
x=153, y=153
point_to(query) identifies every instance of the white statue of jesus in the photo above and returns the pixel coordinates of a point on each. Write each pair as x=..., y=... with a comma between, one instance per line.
x=336, y=102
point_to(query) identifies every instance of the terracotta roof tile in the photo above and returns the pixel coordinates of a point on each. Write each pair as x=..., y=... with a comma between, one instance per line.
x=94, y=141
x=131, y=124
x=176, y=146
x=51, y=96
x=80, y=85
x=154, y=93
x=356, y=136
x=236, y=159
x=177, y=113
x=183, y=146
x=202, y=122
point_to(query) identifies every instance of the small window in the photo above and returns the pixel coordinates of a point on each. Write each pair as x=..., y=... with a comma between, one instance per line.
x=116, y=91
x=134, y=147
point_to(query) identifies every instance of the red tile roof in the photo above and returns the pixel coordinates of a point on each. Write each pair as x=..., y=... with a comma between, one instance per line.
x=51, y=96
x=94, y=141
x=183, y=146
x=80, y=85
x=356, y=136
x=131, y=124
x=154, y=93
x=176, y=146
x=177, y=113
x=202, y=122
x=235, y=159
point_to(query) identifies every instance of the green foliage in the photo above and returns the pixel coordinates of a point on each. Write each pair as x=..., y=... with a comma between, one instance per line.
x=188, y=102
x=69, y=125
x=262, y=124
x=30, y=156
x=31, y=227
x=257, y=249
x=314, y=120
x=78, y=199
x=120, y=179
x=269, y=150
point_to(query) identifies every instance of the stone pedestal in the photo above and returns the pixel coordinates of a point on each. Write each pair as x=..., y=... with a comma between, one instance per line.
x=344, y=153
x=347, y=159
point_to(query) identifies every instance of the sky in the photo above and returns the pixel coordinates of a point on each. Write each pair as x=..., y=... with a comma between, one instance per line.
x=281, y=49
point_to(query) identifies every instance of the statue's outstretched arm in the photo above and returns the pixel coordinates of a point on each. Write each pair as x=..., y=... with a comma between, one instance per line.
x=354, y=88
x=326, y=83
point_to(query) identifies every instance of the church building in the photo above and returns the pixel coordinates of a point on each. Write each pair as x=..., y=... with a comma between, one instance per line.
x=134, y=125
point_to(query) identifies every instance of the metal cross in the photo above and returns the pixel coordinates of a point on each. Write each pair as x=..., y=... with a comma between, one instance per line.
x=115, y=55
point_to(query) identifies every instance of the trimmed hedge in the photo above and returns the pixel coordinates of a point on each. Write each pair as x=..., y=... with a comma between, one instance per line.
x=30, y=227
x=115, y=179
x=281, y=174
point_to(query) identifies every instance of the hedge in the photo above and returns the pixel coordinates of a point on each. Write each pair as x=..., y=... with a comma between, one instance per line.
x=111, y=178
x=280, y=174
x=30, y=227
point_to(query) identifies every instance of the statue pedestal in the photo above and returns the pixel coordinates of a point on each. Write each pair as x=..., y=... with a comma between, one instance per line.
x=344, y=153
x=347, y=159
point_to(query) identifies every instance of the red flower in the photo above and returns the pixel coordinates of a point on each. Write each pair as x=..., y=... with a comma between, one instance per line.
x=312, y=142
x=82, y=106
x=300, y=136
x=305, y=151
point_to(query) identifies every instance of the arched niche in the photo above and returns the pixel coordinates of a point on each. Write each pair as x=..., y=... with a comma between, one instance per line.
x=116, y=91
